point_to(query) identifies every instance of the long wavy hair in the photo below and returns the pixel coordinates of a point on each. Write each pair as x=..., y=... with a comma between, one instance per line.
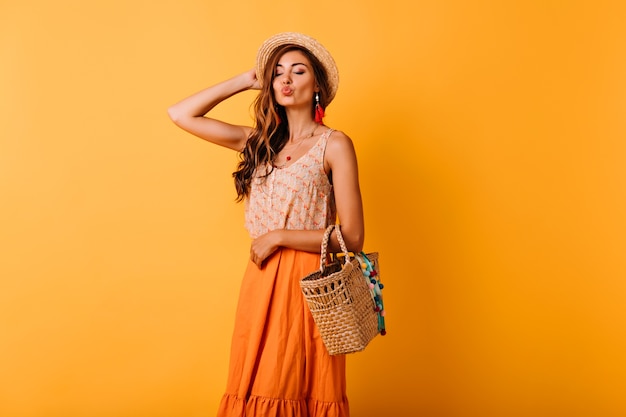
x=271, y=128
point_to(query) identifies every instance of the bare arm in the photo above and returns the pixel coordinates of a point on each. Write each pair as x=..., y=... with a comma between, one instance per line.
x=341, y=160
x=189, y=114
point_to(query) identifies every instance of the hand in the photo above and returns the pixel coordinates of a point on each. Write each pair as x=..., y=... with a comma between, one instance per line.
x=252, y=79
x=264, y=246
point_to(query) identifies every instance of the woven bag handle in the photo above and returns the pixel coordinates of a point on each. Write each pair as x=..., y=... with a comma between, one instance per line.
x=325, y=241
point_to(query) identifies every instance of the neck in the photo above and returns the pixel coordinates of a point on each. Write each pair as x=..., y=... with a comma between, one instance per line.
x=300, y=124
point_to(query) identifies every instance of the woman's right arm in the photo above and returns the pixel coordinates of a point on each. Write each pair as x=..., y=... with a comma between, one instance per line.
x=188, y=114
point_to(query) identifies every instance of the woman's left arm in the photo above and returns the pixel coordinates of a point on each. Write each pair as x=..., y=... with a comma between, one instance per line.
x=340, y=160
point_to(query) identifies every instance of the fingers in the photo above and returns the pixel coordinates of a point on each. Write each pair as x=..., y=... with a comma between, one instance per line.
x=255, y=84
x=263, y=247
x=259, y=257
x=256, y=258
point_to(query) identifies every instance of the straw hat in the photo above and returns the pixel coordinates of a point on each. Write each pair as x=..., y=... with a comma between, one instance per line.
x=308, y=43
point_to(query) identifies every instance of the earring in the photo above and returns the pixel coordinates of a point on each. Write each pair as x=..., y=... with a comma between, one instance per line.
x=319, y=111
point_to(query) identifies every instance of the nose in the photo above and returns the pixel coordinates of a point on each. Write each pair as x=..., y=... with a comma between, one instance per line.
x=286, y=79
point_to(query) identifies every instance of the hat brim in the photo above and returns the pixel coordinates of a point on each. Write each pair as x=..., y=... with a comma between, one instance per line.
x=306, y=42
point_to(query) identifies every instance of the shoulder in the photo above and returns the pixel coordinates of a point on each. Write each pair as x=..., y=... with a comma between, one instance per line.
x=339, y=151
x=339, y=143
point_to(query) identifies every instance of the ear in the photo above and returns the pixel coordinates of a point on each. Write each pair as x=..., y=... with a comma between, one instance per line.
x=316, y=89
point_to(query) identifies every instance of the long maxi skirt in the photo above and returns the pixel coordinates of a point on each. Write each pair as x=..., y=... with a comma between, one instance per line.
x=279, y=366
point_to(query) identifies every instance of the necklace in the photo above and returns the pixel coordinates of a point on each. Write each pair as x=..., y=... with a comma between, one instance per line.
x=301, y=139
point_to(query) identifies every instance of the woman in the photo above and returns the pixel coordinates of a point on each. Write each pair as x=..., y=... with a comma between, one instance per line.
x=296, y=176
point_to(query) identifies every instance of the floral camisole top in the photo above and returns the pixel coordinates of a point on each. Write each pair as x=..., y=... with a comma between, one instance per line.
x=296, y=197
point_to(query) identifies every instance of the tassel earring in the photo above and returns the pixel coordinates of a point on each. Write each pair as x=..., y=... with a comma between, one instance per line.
x=319, y=111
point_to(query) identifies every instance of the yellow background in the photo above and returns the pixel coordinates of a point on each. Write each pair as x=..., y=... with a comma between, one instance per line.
x=491, y=141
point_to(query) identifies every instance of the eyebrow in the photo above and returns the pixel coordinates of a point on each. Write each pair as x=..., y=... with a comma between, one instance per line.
x=293, y=65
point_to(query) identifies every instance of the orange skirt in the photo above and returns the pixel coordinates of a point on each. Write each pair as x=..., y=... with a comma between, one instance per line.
x=279, y=366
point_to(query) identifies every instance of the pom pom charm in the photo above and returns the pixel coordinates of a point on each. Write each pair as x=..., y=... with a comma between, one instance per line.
x=319, y=110
x=372, y=278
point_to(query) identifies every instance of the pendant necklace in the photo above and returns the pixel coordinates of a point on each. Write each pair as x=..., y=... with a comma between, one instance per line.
x=288, y=157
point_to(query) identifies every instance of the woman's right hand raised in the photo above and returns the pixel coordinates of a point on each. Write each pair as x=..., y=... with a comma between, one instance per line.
x=252, y=79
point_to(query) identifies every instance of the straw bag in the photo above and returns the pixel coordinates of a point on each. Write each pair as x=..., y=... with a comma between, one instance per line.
x=345, y=300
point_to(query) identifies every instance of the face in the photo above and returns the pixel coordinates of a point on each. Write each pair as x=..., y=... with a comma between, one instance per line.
x=294, y=81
